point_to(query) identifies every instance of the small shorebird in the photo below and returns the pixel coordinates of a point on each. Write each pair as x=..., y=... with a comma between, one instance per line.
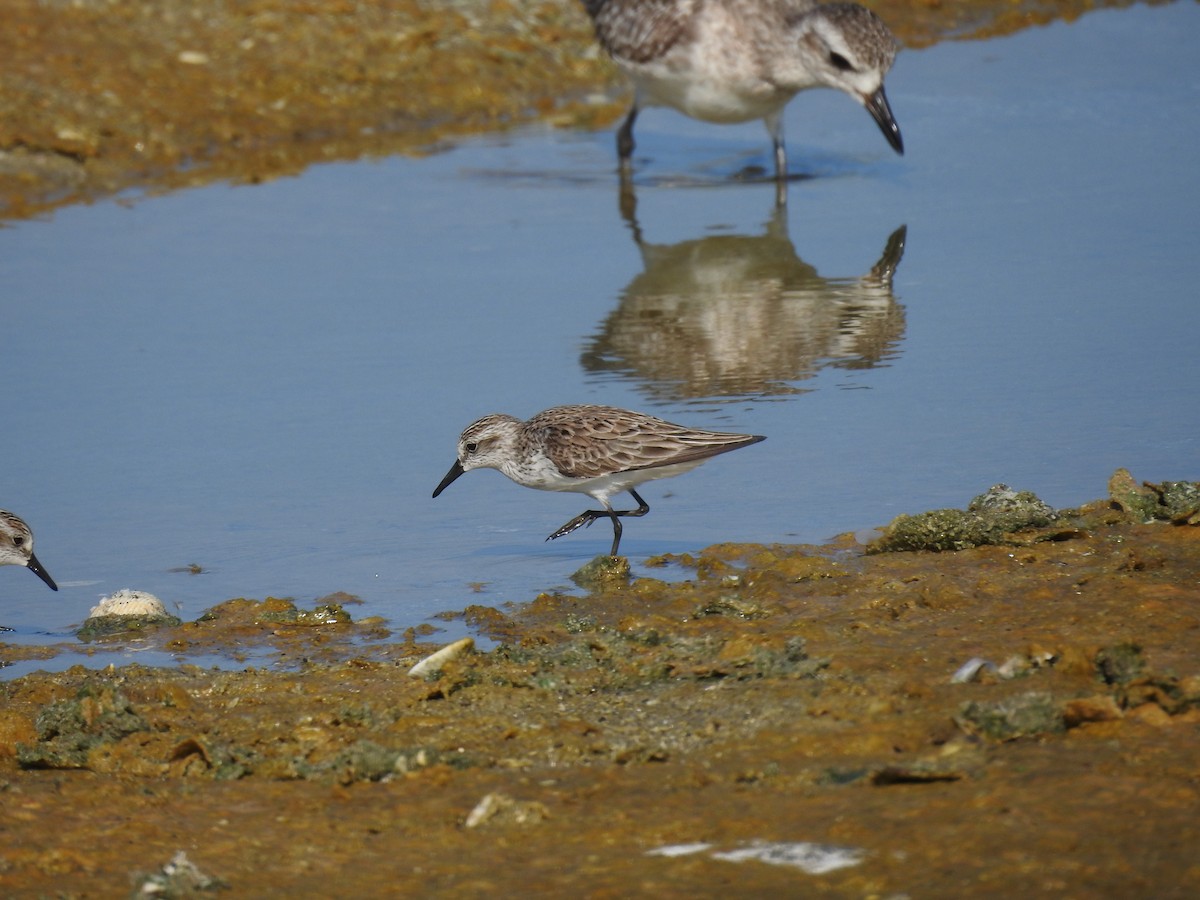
x=738, y=60
x=595, y=450
x=16, y=547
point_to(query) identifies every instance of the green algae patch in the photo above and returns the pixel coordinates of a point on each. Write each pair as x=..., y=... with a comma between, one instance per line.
x=97, y=627
x=1029, y=714
x=68, y=731
x=994, y=517
x=366, y=760
x=1120, y=663
x=1172, y=501
x=275, y=611
x=604, y=573
x=242, y=628
x=624, y=661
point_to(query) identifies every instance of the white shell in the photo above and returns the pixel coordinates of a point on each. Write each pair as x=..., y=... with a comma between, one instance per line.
x=129, y=603
x=435, y=661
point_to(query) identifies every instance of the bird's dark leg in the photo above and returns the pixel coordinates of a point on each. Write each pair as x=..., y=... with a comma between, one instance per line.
x=774, y=124
x=617, y=529
x=643, y=508
x=588, y=516
x=625, y=143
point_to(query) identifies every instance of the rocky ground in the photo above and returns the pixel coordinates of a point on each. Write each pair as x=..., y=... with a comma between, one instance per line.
x=1014, y=713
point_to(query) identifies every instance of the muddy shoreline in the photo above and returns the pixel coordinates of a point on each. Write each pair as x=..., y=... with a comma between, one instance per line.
x=1019, y=717
x=103, y=96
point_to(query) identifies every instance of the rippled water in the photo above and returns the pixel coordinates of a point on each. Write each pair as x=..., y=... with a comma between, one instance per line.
x=268, y=381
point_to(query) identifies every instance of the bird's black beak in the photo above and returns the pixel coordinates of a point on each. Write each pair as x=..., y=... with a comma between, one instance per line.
x=877, y=106
x=36, y=567
x=455, y=471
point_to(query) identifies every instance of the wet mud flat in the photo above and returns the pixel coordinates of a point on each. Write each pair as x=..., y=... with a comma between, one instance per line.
x=1020, y=717
x=103, y=96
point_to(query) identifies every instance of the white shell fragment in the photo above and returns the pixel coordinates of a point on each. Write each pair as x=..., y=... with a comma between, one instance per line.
x=968, y=670
x=501, y=809
x=672, y=850
x=815, y=859
x=128, y=603
x=1011, y=668
x=435, y=661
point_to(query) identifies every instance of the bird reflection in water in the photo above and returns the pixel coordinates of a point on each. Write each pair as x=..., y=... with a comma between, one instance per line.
x=739, y=315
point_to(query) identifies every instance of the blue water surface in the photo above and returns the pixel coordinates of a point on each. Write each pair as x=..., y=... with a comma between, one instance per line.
x=268, y=381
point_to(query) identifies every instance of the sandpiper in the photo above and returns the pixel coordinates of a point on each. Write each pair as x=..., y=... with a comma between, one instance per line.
x=16, y=547
x=738, y=60
x=595, y=450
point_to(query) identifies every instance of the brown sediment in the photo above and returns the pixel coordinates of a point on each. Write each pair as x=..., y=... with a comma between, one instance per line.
x=99, y=96
x=780, y=694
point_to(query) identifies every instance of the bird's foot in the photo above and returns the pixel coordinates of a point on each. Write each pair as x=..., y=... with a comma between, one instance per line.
x=580, y=521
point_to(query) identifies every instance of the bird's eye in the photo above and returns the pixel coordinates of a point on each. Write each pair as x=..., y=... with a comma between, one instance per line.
x=472, y=446
x=18, y=541
x=840, y=62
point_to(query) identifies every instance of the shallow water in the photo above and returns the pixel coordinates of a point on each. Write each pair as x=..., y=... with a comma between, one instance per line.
x=268, y=380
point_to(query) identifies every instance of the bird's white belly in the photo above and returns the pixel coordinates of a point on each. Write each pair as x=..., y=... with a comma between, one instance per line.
x=708, y=93
x=710, y=100
x=545, y=477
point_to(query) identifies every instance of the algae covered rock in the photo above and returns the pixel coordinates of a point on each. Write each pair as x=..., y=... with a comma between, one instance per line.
x=991, y=518
x=603, y=573
x=1173, y=501
x=276, y=611
x=68, y=730
x=1021, y=715
x=125, y=611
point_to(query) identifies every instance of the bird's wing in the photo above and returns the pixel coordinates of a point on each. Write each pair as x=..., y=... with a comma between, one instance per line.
x=639, y=30
x=609, y=440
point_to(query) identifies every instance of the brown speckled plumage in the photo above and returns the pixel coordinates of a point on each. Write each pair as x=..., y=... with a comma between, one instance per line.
x=640, y=30
x=588, y=441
